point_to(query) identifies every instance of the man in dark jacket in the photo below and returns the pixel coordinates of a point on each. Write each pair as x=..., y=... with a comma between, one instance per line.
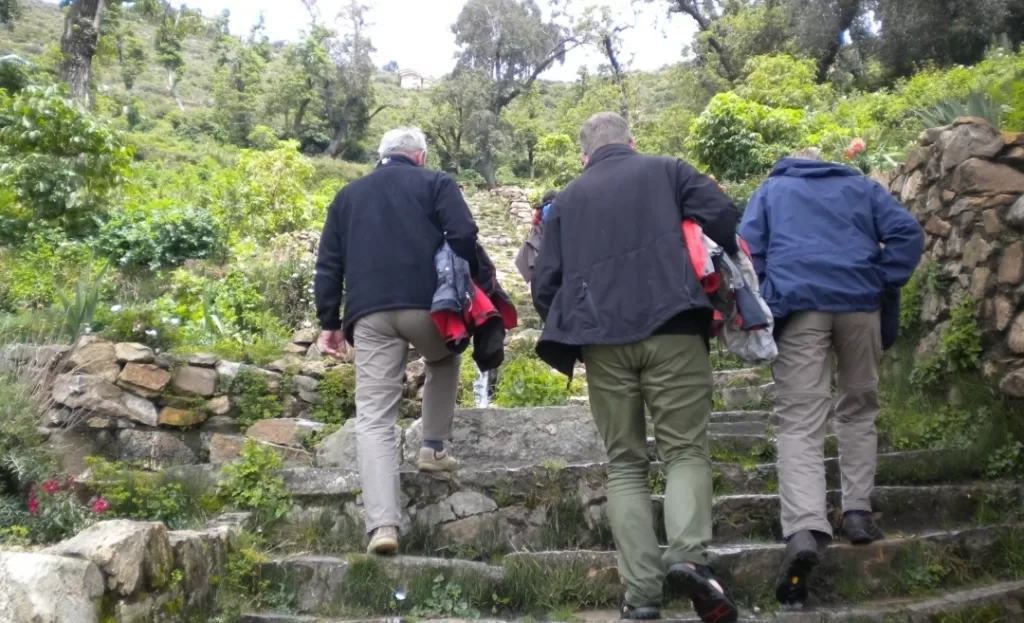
x=830, y=247
x=379, y=241
x=615, y=287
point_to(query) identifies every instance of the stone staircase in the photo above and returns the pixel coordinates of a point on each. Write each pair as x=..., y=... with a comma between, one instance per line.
x=521, y=531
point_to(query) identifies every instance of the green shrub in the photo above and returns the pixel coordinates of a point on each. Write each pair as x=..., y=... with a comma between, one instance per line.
x=133, y=493
x=337, y=394
x=526, y=382
x=252, y=484
x=254, y=399
x=144, y=325
x=33, y=274
x=161, y=237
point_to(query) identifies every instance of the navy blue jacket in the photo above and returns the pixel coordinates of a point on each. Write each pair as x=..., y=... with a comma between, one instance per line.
x=825, y=238
x=379, y=241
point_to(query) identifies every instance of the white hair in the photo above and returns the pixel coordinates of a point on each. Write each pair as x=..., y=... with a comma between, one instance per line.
x=406, y=141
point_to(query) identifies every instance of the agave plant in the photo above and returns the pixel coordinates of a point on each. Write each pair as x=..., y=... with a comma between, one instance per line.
x=79, y=312
x=978, y=104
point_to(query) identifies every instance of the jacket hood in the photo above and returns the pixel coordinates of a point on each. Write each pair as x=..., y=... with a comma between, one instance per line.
x=795, y=167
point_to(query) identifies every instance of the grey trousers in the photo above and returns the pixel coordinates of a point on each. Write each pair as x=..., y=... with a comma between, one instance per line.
x=381, y=347
x=803, y=376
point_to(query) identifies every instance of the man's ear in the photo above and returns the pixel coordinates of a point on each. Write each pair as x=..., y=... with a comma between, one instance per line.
x=632, y=144
x=584, y=158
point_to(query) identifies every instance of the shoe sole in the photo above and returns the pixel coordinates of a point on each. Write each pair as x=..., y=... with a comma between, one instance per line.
x=710, y=604
x=794, y=589
x=863, y=538
x=383, y=547
x=437, y=469
x=636, y=615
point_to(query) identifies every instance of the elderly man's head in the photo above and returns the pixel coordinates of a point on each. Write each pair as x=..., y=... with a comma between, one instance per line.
x=409, y=142
x=604, y=128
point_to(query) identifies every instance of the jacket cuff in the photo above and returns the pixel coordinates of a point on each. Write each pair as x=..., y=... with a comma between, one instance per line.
x=330, y=325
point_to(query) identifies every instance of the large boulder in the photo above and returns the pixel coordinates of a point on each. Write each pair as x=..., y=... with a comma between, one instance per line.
x=155, y=448
x=982, y=177
x=134, y=556
x=191, y=380
x=497, y=438
x=130, y=352
x=92, y=395
x=969, y=138
x=143, y=379
x=45, y=587
x=288, y=432
x=95, y=356
x=339, y=448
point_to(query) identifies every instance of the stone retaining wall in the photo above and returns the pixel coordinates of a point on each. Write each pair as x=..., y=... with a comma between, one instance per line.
x=118, y=571
x=965, y=185
x=125, y=402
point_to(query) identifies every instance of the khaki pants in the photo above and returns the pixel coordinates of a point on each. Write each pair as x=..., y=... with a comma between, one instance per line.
x=803, y=381
x=381, y=347
x=671, y=374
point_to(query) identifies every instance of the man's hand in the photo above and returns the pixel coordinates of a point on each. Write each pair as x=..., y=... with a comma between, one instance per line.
x=332, y=343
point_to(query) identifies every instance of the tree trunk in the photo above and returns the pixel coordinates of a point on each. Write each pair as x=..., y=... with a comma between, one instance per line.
x=847, y=14
x=172, y=88
x=300, y=115
x=78, y=45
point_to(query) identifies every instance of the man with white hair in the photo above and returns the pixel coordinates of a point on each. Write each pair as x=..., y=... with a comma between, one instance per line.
x=378, y=246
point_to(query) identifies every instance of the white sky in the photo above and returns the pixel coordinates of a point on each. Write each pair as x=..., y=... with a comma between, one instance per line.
x=417, y=33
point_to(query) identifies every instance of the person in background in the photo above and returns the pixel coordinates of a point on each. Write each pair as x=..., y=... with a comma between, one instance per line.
x=830, y=246
x=527, y=257
x=378, y=246
x=615, y=287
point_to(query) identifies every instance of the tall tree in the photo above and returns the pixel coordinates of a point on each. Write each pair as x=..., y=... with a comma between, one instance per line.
x=10, y=10
x=239, y=81
x=79, y=42
x=348, y=89
x=455, y=101
x=509, y=41
x=819, y=26
x=173, y=27
x=119, y=39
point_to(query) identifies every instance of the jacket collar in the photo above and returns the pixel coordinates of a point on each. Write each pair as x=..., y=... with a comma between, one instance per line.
x=398, y=159
x=607, y=152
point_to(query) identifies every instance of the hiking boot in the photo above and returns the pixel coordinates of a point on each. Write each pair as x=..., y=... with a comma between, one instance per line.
x=710, y=601
x=433, y=461
x=860, y=528
x=802, y=556
x=644, y=613
x=383, y=541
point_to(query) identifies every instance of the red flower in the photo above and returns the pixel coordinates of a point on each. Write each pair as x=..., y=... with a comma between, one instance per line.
x=51, y=486
x=33, y=505
x=100, y=506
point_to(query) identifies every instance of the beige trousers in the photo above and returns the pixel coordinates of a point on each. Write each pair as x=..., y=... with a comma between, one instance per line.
x=803, y=381
x=381, y=348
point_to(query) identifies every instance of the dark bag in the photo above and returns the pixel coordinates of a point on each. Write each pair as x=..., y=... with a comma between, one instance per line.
x=890, y=317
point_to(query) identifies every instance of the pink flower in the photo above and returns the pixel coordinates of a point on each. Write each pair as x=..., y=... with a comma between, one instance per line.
x=51, y=486
x=858, y=145
x=33, y=505
x=100, y=506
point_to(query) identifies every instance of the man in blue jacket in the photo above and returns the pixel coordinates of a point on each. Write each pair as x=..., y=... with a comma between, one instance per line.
x=828, y=245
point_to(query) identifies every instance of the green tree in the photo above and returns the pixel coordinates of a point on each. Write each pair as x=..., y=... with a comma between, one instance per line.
x=173, y=27
x=62, y=162
x=79, y=43
x=455, y=102
x=10, y=10
x=511, y=43
x=239, y=83
x=348, y=90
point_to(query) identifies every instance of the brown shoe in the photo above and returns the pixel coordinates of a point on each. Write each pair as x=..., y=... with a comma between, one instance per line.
x=383, y=541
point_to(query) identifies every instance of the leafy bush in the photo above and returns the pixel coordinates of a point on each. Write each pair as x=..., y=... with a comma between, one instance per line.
x=144, y=325
x=946, y=111
x=254, y=399
x=782, y=81
x=252, y=484
x=60, y=160
x=526, y=382
x=33, y=274
x=557, y=160
x=161, y=237
x=132, y=493
x=337, y=394
x=737, y=138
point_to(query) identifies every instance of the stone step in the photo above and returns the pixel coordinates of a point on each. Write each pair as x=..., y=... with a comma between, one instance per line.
x=894, y=568
x=997, y=603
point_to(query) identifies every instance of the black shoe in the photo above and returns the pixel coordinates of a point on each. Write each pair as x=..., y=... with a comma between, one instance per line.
x=645, y=613
x=801, y=558
x=860, y=528
x=711, y=604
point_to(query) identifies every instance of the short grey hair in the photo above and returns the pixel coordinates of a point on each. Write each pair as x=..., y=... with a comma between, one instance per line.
x=604, y=128
x=406, y=141
x=807, y=153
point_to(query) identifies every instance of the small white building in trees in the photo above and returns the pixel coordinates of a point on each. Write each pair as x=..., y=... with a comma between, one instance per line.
x=412, y=79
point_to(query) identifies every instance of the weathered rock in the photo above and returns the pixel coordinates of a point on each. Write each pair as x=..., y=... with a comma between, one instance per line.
x=203, y=360
x=1003, y=313
x=305, y=337
x=48, y=588
x=1015, y=216
x=306, y=388
x=487, y=438
x=1013, y=384
x=181, y=418
x=155, y=448
x=938, y=227
x=339, y=449
x=134, y=556
x=220, y=424
x=1011, y=266
x=221, y=405
x=143, y=379
x=200, y=556
x=288, y=432
x=195, y=381
x=315, y=369
x=976, y=251
x=1016, y=338
x=297, y=350
x=991, y=221
x=981, y=281
x=912, y=187
x=224, y=448
x=130, y=352
x=416, y=373
x=91, y=395
x=285, y=363
x=981, y=177
x=96, y=357
x=977, y=139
